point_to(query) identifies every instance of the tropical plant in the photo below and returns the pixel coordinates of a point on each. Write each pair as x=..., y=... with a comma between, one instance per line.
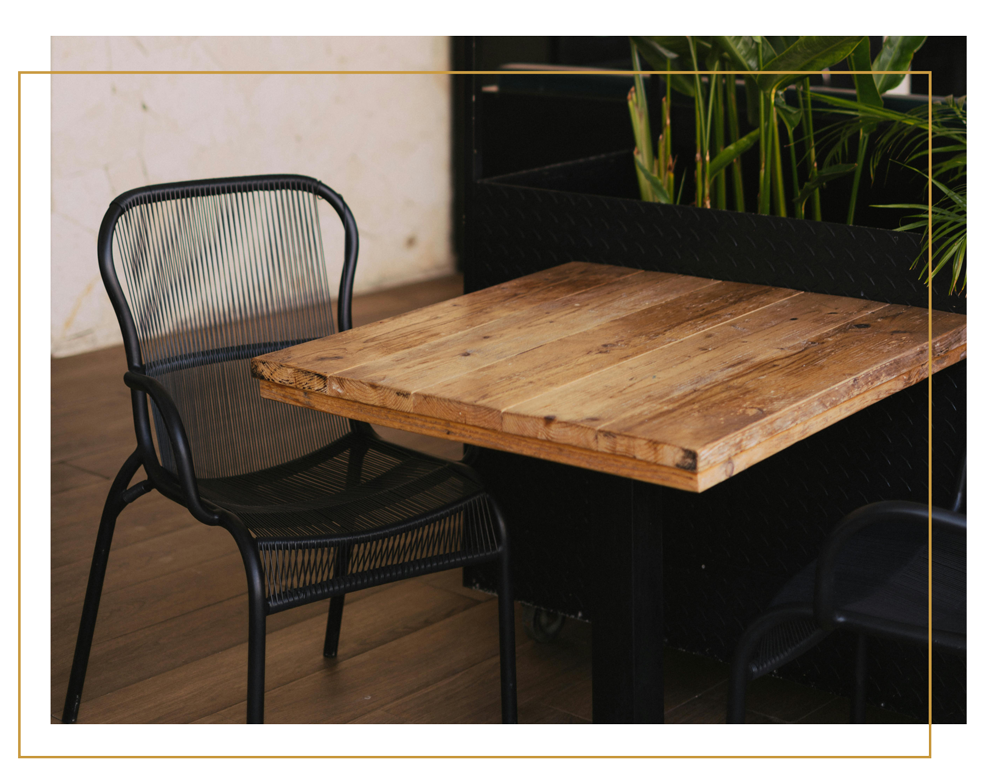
x=901, y=140
x=778, y=120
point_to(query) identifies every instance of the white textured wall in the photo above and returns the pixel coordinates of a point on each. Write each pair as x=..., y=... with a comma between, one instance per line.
x=382, y=141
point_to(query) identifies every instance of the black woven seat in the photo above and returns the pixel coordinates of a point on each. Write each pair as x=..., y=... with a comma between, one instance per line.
x=219, y=271
x=405, y=513
x=870, y=578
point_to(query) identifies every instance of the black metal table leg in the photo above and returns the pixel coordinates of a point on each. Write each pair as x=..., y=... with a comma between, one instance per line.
x=627, y=680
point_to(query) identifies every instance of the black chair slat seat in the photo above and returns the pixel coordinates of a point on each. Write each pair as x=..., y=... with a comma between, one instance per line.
x=204, y=276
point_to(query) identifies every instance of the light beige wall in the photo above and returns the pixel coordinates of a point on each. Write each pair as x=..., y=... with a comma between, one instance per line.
x=382, y=141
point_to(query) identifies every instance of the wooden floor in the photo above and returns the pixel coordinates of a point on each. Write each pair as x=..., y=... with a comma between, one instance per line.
x=170, y=644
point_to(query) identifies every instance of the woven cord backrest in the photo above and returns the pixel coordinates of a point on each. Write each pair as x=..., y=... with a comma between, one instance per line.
x=215, y=274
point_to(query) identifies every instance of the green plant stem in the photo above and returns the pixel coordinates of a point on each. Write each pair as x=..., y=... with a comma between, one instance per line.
x=734, y=133
x=856, y=184
x=666, y=150
x=764, y=191
x=666, y=159
x=795, y=161
x=707, y=126
x=811, y=146
x=645, y=191
x=641, y=129
x=720, y=144
x=764, y=184
x=699, y=130
x=777, y=178
x=698, y=181
x=795, y=164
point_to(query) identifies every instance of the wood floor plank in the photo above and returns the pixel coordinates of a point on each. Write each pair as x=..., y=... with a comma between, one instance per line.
x=150, y=558
x=685, y=676
x=214, y=683
x=107, y=460
x=772, y=697
x=76, y=517
x=370, y=681
x=65, y=476
x=88, y=380
x=471, y=696
x=150, y=602
x=75, y=433
x=838, y=710
x=452, y=580
x=377, y=305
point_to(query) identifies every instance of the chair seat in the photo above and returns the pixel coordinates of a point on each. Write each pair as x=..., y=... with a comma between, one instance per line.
x=868, y=597
x=359, y=512
x=897, y=591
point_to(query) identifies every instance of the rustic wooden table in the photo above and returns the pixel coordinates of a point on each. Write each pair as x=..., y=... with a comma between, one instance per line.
x=666, y=379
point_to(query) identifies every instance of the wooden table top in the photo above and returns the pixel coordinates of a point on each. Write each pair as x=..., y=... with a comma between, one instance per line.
x=670, y=379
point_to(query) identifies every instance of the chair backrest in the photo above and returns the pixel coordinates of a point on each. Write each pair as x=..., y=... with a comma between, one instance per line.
x=203, y=276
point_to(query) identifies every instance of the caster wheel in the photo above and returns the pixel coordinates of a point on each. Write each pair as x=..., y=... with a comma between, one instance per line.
x=540, y=625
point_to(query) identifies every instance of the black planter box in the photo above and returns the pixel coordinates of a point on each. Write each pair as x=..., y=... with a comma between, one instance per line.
x=728, y=550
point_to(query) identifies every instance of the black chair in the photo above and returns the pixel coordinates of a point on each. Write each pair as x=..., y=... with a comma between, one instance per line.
x=871, y=578
x=216, y=272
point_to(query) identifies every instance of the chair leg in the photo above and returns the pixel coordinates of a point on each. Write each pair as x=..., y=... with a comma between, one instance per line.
x=118, y=498
x=336, y=613
x=257, y=599
x=505, y=606
x=333, y=619
x=859, y=694
x=255, y=661
x=739, y=674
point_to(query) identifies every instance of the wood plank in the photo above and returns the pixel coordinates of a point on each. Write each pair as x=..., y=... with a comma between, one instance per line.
x=146, y=605
x=120, y=660
x=788, y=390
x=150, y=558
x=606, y=461
x=76, y=517
x=296, y=366
x=370, y=681
x=107, y=460
x=390, y=380
x=581, y=413
x=480, y=396
x=479, y=436
x=217, y=682
x=66, y=476
x=712, y=475
x=77, y=433
x=89, y=381
x=471, y=695
x=378, y=305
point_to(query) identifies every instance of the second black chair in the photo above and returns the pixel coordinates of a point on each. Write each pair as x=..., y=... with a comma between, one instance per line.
x=203, y=276
x=871, y=578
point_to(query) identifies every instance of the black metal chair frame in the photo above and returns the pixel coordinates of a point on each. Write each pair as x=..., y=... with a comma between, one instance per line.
x=182, y=486
x=811, y=622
